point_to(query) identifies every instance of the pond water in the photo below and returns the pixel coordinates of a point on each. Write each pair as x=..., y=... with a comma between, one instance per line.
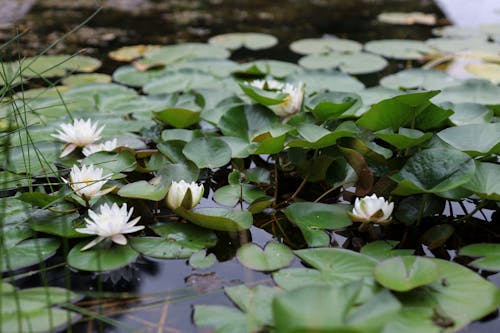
x=158, y=295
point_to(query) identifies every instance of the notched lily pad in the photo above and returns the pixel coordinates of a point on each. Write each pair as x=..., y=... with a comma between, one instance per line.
x=249, y=40
x=274, y=256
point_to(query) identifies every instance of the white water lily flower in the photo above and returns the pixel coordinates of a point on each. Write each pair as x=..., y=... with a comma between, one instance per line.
x=79, y=134
x=88, y=181
x=111, y=222
x=293, y=103
x=267, y=84
x=185, y=195
x=372, y=209
x=109, y=145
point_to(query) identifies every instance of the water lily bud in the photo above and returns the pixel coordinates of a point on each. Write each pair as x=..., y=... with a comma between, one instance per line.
x=371, y=209
x=185, y=195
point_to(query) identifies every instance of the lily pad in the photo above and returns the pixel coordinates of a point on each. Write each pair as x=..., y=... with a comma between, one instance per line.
x=401, y=49
x=250, y=40
x=489, y=253
x=486, y=181
x=434, y=170
x=218, y=218
x=324, y=45
x=416, y=78
x=404, y=138
x=130, y=53
x=202, y=260
x=208, y=152
x=273, y=257
x=489, y=72
x=352, y=63
x=470, y=91
x=469, y=113
x=313, y=217
x=384, y=249
x=406, y=272
x=101, y=257
x=316, y=81
x=474, y=139
x=171, y=54
x=27, y=253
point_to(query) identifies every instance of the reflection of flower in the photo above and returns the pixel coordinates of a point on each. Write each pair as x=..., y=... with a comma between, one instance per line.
x=292, y=103
x=185, y=195
x=110, y=222
x=109, y=145
x=372, y=209
x=87, y=181
x=79, y=134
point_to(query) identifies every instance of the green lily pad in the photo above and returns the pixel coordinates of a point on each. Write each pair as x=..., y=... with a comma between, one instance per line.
x=275, y=68
x=471, y=91
x=112, y=163
x=201, y=260
x=474, y=139
x=255, y=305
x=183, y=80
x=316, y=81
x=309, y=309
x=144, y=190
x=81, y=79
x=486, y=181
x=469, y=113
x=404, y=138
x=230, y=195
x=416, y=78
x=13, y=234
x=178, y=117
x=62, y=225
x=489, y=253
x=131, y=76
x=352, y=63
x=405, y=273
x=434, y=170
x=250, y=40
x=316, y=137
x=449, y=45
x=218, y=218
x=101, y=257
x=313, y=217
x=401, y=49
x=384, y=249
x=208, y=152
x=27, y=253
x=171, y=54
x=324, y=45
x=273, y=257
x=330, y=105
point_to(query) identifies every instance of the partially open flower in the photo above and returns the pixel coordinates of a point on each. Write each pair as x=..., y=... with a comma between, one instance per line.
x=293, y=103
x=109, y=145
x=79, y=134
x=185, y=195
x=111, y=222
x=88, y=181
x=372, y=209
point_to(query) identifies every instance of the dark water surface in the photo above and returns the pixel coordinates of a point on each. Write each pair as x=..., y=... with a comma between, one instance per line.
x=158, y=295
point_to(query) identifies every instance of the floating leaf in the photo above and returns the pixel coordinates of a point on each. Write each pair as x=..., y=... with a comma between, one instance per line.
x=309, y=309
x=312, y=217
x=208, y=152
x=274, y=256
x=489, y=253
x=250, y=40
x=486, y=181
x=416, y=78
x=316, y=81
x=404, y=273
x=352, y=63
x=470, y=91
x=404, y=138
x=433, y=171
x=101, y=257
x=384, y=249
x=448, y=45
x=170, y=54
x=201, y=260
x=81, y=79
x=324, y=45
x=218, y=218
x=474, y=139
x=130, y=53
x=27, y=253
x=485, y=71
x=401, y=49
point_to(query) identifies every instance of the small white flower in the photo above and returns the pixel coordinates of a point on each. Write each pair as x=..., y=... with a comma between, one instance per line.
x=372, y=209
x=111, y=222
x=88, y=181
x=293, y=103
x=109, y=145
x=267, y=85
x=79, y=134
x=182, y=194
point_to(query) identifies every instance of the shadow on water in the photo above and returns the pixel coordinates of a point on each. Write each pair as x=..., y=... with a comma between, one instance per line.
x=151, y=293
